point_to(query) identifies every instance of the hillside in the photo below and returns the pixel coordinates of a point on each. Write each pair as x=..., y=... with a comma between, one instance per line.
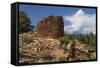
x=33, y=49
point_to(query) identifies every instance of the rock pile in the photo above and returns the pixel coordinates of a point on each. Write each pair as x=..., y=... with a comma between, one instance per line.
x=50, y=27
x=41, y=50
x=79, y=51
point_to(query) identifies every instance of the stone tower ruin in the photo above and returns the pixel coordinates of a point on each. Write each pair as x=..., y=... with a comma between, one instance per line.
x=50, y=27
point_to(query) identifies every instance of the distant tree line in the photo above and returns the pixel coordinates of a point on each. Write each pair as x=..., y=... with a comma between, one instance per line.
x=88, y=39
x=25, y=23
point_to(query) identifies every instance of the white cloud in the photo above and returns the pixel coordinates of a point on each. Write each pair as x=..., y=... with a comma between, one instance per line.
x=80, y=22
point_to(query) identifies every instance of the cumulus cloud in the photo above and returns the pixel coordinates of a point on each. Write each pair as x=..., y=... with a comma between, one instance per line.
x=80, y=22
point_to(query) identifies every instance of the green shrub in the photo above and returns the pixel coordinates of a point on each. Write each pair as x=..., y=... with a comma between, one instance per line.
x=25, y=38
x=93, y=56
x=64, y=40
x=62, y=59
x=45, y=55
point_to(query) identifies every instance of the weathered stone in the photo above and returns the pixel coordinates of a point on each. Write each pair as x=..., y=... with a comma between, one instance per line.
x=50, y=27
x=40, y=48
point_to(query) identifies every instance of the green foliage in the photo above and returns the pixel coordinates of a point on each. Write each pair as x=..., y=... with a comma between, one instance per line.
x=25, y=39
x=24, y=23
x=93, y=56
x=62, y=59
x=88, y=39
x=64, y=40
x=45, y=55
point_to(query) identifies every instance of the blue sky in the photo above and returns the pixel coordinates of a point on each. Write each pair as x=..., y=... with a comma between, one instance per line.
x=36, y=12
